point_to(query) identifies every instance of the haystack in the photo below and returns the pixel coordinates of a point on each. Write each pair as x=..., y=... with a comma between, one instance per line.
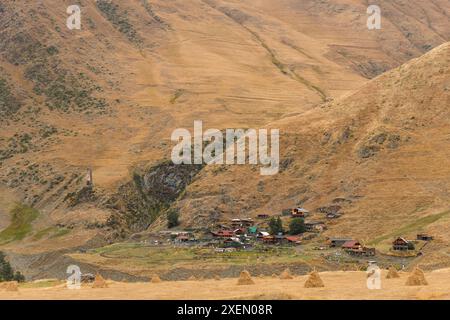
x=314, y=281
x=192, y=278
x=392, y=274
x=217, y=278
x=286, y=275
x=417, y=278
x=156, y=279
x=245, y=278
x=274, y=275
x=10, y=286
x=99, y=282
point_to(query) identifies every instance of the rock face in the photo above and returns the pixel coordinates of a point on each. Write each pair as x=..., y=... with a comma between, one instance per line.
x=151, y=193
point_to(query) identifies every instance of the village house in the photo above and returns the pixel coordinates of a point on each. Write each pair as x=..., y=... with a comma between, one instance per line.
x=424, y=237
x=352, y=245
x=299, y=213
x=337, y=242
x=269, y=239
x=262, y=234
x=223, y=234
x=293, y=240
x=315, y=226
x=401, y=244
x=246, y=222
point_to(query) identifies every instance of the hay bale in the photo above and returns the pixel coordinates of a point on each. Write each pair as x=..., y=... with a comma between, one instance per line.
x=286, y=275
x=156, y=279
x=11, y=286
x=99, y=282
x=245, y=278
x=417, y=278
x=314, y=281
x=392, y=274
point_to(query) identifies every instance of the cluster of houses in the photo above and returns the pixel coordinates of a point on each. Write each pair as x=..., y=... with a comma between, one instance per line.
x=244, y=233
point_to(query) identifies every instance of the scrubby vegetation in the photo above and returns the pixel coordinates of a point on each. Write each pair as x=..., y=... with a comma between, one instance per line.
x=9, y=104
x=6, y=271
x=63, y=89
x=148, y=7
x=19, y=143
x=119, y=19
x=172, y=219
x=20, y=226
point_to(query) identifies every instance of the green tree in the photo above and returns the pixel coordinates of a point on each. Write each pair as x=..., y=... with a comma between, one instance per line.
x=6, y=271
x=173, y=219
x=19, y=277
x=297, y=226
x=275, y=226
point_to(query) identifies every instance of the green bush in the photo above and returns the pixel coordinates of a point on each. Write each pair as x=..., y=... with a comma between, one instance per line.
x=297, y=226
x=275, y=226
x=6, y=271
x=173, y=219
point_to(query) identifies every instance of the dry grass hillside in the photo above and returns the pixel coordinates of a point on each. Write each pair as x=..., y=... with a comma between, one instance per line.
x=109, y=95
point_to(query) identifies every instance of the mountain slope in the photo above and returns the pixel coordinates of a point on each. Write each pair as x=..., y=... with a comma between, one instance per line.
x=108, y=97
x=380, y=153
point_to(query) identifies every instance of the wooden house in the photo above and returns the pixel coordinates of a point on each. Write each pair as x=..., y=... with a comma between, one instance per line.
x=401, y=244
x=337, y=242
x=223, y=234
x=352, y=245
x=299, y=213
x=315, y=226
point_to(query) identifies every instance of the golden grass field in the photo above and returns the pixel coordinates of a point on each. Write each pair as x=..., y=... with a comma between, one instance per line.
x=338, y=286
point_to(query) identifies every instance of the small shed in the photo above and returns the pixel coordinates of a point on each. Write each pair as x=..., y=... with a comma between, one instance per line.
x=424, y=237
x=315, y=226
